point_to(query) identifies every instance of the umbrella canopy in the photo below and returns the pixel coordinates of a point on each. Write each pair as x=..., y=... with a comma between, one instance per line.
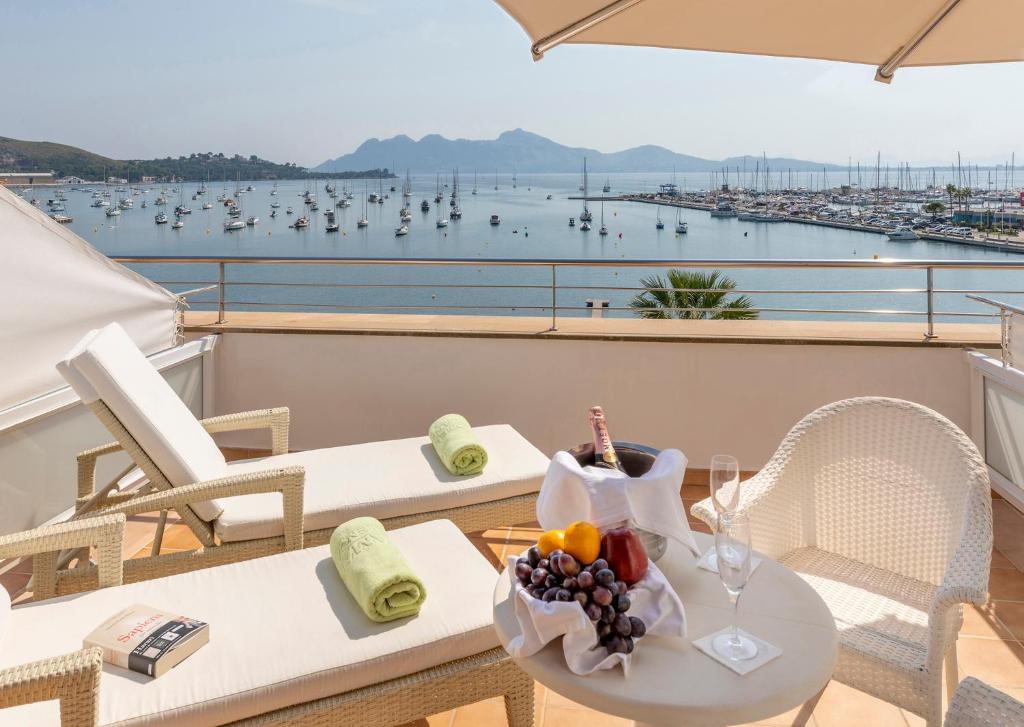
x=884, y=33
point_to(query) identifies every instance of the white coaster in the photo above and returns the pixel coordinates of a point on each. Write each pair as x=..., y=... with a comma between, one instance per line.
x=707, y=563
x=765, y=652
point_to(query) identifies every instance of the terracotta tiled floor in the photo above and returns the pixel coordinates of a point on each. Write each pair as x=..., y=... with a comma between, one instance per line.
x=991, y=644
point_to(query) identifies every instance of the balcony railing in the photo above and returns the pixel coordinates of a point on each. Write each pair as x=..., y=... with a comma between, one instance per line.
x=256, y=283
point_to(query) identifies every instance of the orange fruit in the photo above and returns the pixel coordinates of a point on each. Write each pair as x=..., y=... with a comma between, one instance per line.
x=551, y=540
x=583, y=542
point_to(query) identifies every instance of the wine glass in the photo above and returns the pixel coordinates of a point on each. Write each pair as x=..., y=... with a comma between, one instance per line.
x=725, y=483
x=732, y=545
x=725, y=491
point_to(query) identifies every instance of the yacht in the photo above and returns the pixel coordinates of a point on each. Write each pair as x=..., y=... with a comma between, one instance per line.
x=902, y=234
x=495, y=220
x=362, y=222
x=585, y=226
x=234, y=224
x=724, y=208
x=405, y=215
x=113, y=211
x=607, y=186
x=252, y=221
x=659, y=224
x=160, y=218
x=401, y=230
x=206, y=205
x=177, y=225
x=572, y=222
x=332, y=227
x=301, y=222
x=424, y=206
x=274, y=205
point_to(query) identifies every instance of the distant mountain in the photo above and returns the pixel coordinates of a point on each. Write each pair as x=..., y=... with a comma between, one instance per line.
x=63, y=160
x=528, y=152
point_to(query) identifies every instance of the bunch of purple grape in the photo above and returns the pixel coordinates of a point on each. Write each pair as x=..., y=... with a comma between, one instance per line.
x=560, y=577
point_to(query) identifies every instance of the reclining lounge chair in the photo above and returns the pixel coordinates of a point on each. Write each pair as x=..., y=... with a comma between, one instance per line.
x=288, y=644
x=399, y=482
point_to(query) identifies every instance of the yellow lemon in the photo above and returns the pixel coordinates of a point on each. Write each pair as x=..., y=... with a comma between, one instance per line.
x=551, y=540
x=583, y=542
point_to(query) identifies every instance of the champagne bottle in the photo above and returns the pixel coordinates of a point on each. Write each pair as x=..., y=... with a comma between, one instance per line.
x=604, y=453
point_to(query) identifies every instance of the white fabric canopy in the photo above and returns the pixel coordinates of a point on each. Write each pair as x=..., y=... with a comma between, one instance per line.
x=54, y=288
x=884, y=33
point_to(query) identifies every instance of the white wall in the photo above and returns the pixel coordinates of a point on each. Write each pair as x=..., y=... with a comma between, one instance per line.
x=700, y=397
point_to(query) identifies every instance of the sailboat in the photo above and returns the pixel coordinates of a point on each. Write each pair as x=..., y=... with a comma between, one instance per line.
x=659, y=224
x=585, y=215
x=603, y=230
x=495, y=180
x=513, y=177
x=362, y=221
x=442, y=221
x=407, y=187
x=680, y=224
x=456, y=213
x=474, y=181
x=607, y=186
x=273, y=192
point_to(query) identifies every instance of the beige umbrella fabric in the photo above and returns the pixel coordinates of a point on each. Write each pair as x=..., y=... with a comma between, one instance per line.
x=888, y=34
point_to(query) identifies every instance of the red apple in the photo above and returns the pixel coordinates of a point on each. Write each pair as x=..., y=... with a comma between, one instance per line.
x=625, y=554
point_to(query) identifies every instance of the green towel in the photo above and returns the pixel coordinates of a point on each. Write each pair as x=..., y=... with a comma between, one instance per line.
x=457, y=445
x=375, y=571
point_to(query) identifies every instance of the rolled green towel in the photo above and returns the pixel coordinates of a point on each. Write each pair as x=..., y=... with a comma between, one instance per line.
x=457, y=445
x=375, y=571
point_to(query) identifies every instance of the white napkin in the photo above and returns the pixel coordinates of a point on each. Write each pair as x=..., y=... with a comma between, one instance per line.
x=652, y=600
x=605, y=497
x=765, y=652
x=706, y=563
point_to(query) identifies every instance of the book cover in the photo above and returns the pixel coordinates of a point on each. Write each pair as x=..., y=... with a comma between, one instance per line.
x=148, y=640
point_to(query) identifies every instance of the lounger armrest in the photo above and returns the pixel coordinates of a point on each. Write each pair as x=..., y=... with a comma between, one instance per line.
x=288, y=481
x=73, y=678
x=105, y=532
x=87, y=467
x=276, y=420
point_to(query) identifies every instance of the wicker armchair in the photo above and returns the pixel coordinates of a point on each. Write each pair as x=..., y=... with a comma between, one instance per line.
x=976, y=704
x=884, y=507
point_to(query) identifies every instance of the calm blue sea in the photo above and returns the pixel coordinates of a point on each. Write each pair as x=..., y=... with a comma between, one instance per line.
x=532, y=226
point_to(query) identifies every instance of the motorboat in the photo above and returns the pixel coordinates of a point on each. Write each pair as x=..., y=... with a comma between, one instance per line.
x=113, y=211
x=301, y=222
x=332, y=227
x=252, y=221
x=362, y=222
x=401, y=230
x=724, y=208
x=902, y=234
x=177, y=225
x=585, y=226
x=236, y=224
x=160, y=218
x=424, y=206
x=495, y=220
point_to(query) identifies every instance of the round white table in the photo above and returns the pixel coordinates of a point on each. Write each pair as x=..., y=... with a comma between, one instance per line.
x=673, y=683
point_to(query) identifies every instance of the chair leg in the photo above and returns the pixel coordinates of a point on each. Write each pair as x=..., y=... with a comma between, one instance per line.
x=952, y=672
x=519, y=703
x=158, y=538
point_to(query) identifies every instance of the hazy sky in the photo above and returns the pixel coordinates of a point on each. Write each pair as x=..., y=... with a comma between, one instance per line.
x=305, y=80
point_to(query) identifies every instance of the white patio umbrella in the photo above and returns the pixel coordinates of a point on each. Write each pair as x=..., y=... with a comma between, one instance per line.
x=888, y=34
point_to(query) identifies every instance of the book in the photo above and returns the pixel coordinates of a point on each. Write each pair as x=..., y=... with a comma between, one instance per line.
x=148, y=640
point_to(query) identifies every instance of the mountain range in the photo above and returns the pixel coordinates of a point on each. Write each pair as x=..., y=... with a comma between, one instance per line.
x=63, y=160
x=524, y=151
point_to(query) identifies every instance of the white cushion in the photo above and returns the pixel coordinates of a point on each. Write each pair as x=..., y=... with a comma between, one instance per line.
x=283, y=630
x=383, y=480
x=107, y=365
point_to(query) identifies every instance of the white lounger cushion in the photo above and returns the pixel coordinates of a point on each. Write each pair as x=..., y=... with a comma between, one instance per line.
x=283, y=630
x=383, y=480
x=107, y=365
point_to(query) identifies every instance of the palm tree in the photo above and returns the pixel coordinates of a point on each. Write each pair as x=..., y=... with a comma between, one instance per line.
x=951, y=190
x=691, y=294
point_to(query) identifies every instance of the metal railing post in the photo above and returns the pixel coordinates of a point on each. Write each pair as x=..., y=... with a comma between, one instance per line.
x=220, y=293
x=930, y=333
x=554, y=298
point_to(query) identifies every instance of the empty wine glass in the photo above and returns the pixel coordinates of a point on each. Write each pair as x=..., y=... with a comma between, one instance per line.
x=725, y=491
x=732, y=545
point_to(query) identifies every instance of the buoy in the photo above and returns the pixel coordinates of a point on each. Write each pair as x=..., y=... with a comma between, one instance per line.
x=875, y=256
